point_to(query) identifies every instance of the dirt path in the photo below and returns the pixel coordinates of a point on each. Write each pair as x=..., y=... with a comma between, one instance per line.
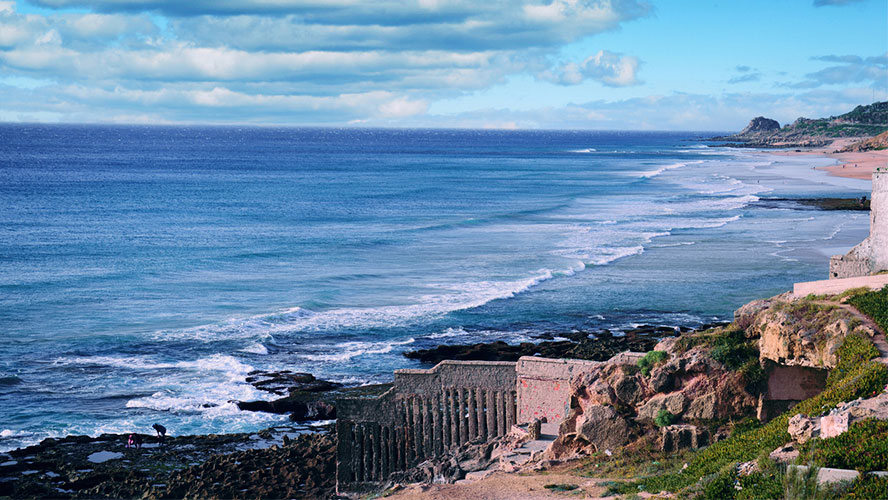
x=879, y=339
x=509, y=486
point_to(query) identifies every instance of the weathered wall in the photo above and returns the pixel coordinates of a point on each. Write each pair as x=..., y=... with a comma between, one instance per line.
x=544, y=387
x=788, y=385
x=871, y=255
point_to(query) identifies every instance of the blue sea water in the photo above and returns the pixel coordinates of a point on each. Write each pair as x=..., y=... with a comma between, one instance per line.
x=145, y=271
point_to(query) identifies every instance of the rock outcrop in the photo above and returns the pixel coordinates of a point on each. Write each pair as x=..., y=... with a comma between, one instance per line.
x=759, y=126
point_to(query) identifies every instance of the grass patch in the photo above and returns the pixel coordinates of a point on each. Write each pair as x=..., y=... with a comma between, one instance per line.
x=874, y=305
x=854, y=351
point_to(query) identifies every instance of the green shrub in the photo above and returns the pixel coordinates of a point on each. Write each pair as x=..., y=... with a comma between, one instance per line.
x=868, y=488
x=733, y=350
x=664, y=418
x=864, y=447
x=854, y=351
x=754, y=376
x=650, y=360
x=874, y=305
x=721, y=486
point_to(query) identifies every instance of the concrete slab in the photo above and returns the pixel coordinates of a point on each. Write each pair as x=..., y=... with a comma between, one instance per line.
x=837, y=286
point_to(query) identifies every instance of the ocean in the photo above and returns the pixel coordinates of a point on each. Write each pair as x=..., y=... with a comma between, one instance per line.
x=145, y=271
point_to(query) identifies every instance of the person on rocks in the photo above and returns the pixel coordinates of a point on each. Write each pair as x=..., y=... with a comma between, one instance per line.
x=134, y=441
x=161, y=433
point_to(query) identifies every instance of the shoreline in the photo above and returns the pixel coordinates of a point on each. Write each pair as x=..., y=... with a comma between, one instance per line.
x=851, y=165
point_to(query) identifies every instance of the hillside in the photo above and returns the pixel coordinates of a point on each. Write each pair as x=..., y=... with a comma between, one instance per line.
x=864, y=121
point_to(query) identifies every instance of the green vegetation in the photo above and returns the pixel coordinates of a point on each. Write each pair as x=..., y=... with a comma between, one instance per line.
x=874, y=305
x=866, y=380
x=864, y=447
x=802, y=485
x=868, y=488
x=650, y=360
x=664, y=418
x=733, y=350
x=854, y=351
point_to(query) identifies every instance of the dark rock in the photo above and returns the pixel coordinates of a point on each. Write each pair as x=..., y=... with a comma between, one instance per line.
x=582, y=345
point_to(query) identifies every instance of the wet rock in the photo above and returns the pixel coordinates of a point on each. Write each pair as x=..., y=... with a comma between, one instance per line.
x=581, y=345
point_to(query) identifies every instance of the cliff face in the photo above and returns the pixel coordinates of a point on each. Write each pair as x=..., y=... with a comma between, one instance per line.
x=777, y=352
x=876, y=143
x=862, y=121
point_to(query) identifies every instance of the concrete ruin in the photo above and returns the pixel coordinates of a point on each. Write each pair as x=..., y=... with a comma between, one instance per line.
x=428, y=413
x=871, y=255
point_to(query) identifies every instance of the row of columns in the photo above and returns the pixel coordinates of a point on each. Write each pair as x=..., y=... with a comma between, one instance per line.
x=427, y=427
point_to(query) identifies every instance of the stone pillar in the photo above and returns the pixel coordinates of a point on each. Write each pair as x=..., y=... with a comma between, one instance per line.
x=368, y=453
x=345, y=451
x=358, y=458
x=427, y=427
x=473, y=413
x=500, y=413
x=510, y=409
x=463, y=404
x=417, y=431
x=437, y=428
x=491, y=414
x=479, y=401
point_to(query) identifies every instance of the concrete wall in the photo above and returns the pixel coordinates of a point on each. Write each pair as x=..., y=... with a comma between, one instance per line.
x=871, y=255
x=544, y=387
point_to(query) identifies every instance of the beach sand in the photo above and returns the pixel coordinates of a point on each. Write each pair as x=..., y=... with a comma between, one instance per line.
x=852, y=165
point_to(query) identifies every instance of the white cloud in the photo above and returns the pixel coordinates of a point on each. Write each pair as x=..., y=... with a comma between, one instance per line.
x=608, y=68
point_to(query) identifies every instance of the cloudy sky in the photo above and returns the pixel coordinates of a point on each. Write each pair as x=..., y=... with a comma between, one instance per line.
x=577, y=64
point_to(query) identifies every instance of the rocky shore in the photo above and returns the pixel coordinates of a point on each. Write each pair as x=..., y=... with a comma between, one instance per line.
x=594, y=346
x=273, y=463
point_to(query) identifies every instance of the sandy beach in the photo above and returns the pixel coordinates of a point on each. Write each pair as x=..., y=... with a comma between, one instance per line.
x=857, y=165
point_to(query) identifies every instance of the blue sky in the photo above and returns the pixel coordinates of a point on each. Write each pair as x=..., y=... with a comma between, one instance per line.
x=576, y=64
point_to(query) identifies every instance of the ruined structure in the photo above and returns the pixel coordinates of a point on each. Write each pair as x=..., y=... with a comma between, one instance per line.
x=428, y=413
x=871, y=255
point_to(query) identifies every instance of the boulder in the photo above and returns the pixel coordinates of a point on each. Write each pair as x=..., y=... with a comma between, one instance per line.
x=627, y=388
x=675, y=403
x=786, y=454
x=703, y=407
x=802, y=428
x=603, y=427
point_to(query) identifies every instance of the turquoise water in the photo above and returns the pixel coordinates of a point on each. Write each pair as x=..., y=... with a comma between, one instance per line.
x=144, y=271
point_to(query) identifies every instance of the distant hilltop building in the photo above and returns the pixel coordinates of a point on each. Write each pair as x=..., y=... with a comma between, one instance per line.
x=871, y=255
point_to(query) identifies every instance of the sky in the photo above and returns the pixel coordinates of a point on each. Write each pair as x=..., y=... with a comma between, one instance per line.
x=528, y=64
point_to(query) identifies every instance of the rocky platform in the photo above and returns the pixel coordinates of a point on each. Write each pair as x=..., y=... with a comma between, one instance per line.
x=274, y=463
